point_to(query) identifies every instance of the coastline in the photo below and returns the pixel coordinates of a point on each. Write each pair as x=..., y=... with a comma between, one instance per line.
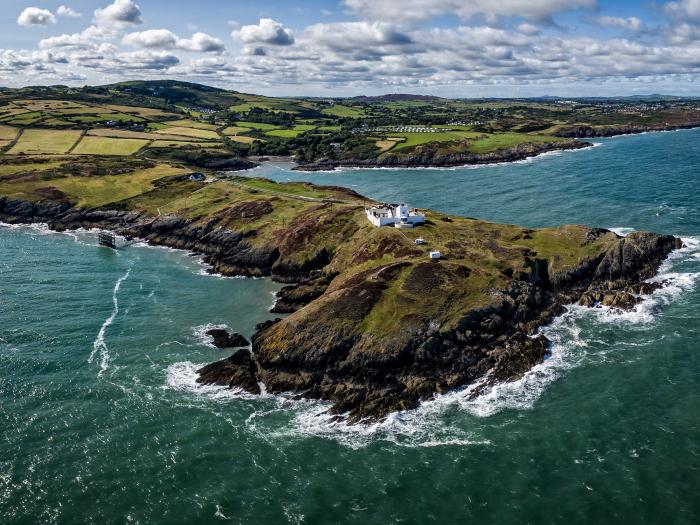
x=373, y=164
x=501, y=337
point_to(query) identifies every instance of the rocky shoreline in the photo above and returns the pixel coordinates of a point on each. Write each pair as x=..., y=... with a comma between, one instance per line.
x=586, y=132
x=427, y=156
x=321, y=352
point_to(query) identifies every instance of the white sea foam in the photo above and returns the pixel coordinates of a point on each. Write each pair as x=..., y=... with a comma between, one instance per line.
x=183, y=377
x=621, y=231
x=200, y=333
x=99, y=345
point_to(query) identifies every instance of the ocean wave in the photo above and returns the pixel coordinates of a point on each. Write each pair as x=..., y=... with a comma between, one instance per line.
x=183, y=376
x=200, y=333
x=99, y=345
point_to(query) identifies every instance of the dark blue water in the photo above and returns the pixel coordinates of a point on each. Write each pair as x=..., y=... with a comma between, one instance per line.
x=101, y=420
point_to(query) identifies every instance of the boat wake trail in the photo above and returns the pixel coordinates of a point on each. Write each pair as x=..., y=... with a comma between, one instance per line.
x=99, y=346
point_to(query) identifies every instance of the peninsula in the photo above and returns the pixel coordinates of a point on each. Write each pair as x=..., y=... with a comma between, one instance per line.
x=370, y=320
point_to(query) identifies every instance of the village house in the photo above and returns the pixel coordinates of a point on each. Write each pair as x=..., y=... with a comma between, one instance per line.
x=397, y=215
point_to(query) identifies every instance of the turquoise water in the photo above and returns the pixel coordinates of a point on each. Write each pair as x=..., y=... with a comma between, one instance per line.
x=101, y=420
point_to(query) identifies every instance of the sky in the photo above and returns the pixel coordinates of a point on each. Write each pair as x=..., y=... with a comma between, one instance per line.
x=455, y=48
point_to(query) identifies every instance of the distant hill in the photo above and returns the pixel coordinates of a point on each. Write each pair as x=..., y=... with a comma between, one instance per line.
x=395, y=97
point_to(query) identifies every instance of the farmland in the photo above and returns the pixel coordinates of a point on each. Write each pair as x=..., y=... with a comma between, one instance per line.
x=128, y=119
x=46, y=141
x=108, y=146
x=189, y=132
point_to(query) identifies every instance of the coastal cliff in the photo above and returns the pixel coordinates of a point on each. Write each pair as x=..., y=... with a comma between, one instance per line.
x=443, y=156
x=587, y=131
x=375, y=326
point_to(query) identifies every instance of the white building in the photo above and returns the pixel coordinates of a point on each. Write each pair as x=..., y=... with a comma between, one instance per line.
x=397, y=215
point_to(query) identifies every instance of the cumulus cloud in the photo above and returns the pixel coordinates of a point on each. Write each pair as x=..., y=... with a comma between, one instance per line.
x=158, y=38
x=68, y=12
x=390, y=10
x=35, y=16
x=165, y=39
x=268, y=31
x=382, y=49
x=201, y=43
x=632, y=23
x=684, y=10
x=121, y=12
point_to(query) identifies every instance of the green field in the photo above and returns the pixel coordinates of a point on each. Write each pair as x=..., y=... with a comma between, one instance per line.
x=507, y=140
x=257, y=125
x=235, y=130
x=108, y=146
x=415, y=139
x=284, y=133
x=189, y=132
x=339, y=110
x=300, y=189
x=28, y=167
x=95, y=191
x=50, y=141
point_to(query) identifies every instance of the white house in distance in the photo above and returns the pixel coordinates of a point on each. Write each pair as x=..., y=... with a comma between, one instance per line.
x=397, y=215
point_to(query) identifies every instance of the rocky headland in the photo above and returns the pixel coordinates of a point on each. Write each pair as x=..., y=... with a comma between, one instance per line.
x=438, y=155
x=374, y=325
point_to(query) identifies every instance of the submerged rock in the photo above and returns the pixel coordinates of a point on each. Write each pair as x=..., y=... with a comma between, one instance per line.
x=235, y=371
x=224, y=339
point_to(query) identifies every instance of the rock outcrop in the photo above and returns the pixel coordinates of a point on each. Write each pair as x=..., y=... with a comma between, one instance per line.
x=224, y=339
x=587, y=132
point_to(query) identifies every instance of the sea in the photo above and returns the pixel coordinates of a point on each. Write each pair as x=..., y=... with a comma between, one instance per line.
x=102, y=421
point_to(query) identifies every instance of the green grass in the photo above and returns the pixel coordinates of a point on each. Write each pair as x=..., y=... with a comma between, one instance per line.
x=189, y=132
x=119, y=117
x=339, y=110
x=49, y=141
x=498, y=141
x=92, y=191
x=290, y=188
x=235, y=130
x=108, y=146
x=415, y=139
x=257, y=125
x=11, y=169
x=25, y=119
x=284, y=133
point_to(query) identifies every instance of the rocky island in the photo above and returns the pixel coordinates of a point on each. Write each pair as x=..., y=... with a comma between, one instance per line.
x=374, y=324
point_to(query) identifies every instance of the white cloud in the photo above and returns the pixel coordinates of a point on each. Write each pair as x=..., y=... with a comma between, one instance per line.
x=68, y=12
x=356, y=35
x=201, y=43
x=684, y=10
x=165, y=39
x=528, y=29
x=391, y=10
x=35, y=16
x=632, y=23
x=120, y=11
x=268, y=31
x=155, y=38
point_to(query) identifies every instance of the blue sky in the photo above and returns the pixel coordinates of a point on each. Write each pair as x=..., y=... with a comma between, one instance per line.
x=458, y=48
